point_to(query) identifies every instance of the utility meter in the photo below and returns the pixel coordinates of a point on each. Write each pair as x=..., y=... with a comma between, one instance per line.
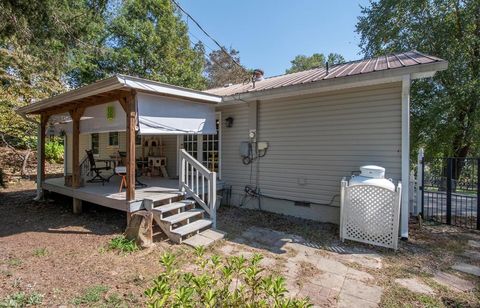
x=252, y=134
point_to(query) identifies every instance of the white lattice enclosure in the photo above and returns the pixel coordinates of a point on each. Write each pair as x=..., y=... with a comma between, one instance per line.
x=370, y=214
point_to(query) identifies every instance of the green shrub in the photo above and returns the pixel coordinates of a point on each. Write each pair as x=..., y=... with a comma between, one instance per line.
x=122, y=244
x=230, y=282
x=54, y=151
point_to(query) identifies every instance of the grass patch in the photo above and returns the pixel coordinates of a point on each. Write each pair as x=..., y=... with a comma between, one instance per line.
x=396, y=296
x=120, y=243
x=14, y=262
x=91, y=295
x=22, y=299
x=40, y=252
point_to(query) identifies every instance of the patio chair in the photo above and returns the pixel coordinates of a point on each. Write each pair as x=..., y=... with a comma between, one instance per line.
x=121, y=170
x=97, y=178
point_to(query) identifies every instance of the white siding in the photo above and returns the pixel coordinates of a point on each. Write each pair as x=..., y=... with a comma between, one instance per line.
x=313, y=143
x=105, y=151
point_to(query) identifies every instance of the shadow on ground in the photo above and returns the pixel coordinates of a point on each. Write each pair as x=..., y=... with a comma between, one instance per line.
x=19, y=214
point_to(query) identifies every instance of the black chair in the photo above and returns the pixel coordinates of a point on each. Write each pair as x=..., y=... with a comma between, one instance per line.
x=98, y=178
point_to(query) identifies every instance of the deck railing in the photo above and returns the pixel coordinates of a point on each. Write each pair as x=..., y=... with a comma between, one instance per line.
x=84, y=168
x=198, y=182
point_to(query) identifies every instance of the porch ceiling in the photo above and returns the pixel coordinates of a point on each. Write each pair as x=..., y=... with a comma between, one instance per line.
x=109, y=90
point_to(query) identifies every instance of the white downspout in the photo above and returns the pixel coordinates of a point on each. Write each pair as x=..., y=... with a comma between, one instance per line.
x=404, y=212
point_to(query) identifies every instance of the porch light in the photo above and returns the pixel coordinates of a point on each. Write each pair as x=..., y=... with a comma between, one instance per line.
x=229, y=122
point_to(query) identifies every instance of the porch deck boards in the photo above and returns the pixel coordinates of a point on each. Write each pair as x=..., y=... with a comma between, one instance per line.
x=108, y=195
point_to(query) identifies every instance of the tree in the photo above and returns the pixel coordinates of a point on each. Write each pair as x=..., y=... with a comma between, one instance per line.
x=445, y=108
x=148, y=39
x=221, y=70
x=302, y=62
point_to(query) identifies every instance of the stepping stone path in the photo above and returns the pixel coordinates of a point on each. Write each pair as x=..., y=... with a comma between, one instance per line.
x=415, y=285
x=315, y=273
x=474, y=255
x=454, y=282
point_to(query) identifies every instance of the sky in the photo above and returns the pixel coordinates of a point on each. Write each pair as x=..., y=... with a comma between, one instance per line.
x=270, y=33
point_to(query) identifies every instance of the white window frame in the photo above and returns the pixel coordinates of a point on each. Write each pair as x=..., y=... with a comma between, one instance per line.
x=90, y=143
x=200, y=145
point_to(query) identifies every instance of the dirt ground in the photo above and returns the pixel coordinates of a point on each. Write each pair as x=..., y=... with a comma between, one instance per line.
x=55, y=258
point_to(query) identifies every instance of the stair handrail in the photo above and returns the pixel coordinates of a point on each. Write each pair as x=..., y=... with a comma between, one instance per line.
x=192, y=178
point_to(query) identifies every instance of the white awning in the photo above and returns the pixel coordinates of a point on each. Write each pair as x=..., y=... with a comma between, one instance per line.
x=164, y=115
x=157, y=115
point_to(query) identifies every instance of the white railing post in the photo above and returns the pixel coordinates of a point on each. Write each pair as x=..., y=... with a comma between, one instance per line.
x=419, y=187
x=213, y=198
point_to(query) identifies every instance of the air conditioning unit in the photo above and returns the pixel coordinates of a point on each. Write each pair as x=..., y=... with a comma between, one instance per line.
x=370, y=208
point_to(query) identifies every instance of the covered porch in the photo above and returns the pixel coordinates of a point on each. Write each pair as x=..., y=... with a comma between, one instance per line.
x=129, y=112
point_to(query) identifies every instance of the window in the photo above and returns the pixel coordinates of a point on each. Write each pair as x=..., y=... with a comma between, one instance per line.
x=190, y=144
x=210, y=150
x=138, y=139
x=113, y=139
x=94, y=143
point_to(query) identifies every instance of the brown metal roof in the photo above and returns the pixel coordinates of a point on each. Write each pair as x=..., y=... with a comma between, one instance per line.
x=386, y=62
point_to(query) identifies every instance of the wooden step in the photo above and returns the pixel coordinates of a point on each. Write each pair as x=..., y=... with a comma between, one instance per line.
x=173, y=206
x=182, y=216
x=192, y=227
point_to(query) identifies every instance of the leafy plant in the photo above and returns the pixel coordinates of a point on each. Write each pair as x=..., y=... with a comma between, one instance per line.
x=22, y=299
x=91, y=295
x=122, y=244
x=40, y=252
x=54, y=151
x=219, y=282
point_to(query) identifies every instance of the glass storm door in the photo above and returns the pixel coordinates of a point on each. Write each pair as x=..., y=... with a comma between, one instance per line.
x=205, y=148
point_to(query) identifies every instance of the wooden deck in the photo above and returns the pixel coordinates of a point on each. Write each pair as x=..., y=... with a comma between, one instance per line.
x=158, y=188
x=108, y=195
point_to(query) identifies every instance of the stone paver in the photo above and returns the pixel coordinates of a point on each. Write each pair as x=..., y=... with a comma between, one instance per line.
x=318, y=294
x=329, y=280
x=467, y=268
x=330, y=265
x=359, y=275
x=360, y=290
x=472, y=254
x=453, y=282
x=415, y=285
x=474, y=244
x=350, y=301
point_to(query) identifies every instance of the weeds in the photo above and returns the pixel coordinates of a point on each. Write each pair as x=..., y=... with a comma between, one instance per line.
x=40, y=252
x=22, y=299
x=91, y=295
x=230, y=282
x=14, y=262
x=120, y=243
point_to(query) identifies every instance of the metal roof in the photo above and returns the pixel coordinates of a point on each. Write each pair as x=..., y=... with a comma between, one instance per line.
x=359, y=67
x=118, y=83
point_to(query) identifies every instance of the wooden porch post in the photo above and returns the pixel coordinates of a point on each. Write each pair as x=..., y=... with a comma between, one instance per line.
x=41, y=155
x=76, y=114
x=128, y=105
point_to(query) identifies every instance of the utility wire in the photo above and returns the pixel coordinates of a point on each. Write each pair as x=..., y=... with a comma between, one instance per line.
x=208, y=35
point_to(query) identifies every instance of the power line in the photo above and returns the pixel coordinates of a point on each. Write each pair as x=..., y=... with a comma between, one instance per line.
x=208, y=35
